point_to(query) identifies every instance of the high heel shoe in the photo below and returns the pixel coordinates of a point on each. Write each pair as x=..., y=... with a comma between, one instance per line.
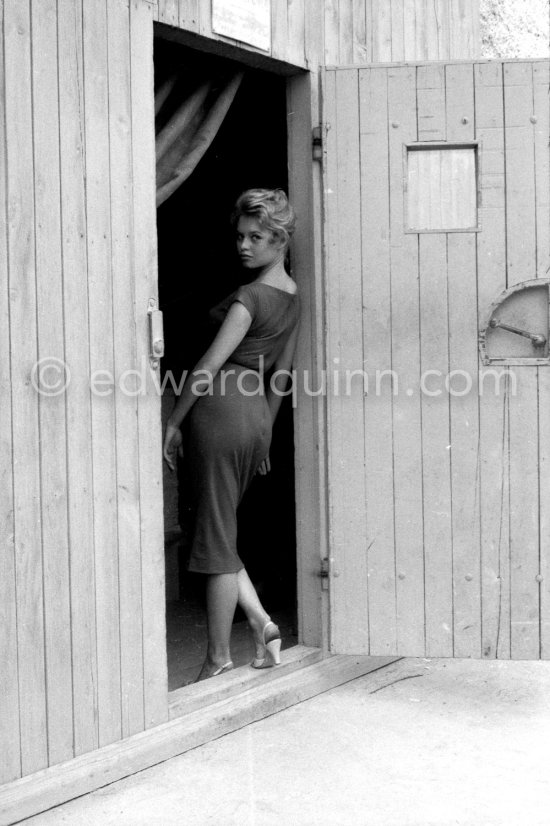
x=221, y=670
x=271, y=640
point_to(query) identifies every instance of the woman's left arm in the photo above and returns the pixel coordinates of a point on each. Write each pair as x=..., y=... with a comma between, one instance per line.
x=234, y=328
x=277, y=386
x=281, y=374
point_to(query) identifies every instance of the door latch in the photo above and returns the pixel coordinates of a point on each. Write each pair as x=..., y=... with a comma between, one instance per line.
x=156, y=334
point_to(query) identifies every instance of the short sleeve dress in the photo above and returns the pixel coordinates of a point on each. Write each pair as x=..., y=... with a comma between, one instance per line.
x=230, y=427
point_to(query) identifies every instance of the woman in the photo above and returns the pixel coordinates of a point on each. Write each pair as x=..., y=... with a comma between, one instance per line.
x=230, y=420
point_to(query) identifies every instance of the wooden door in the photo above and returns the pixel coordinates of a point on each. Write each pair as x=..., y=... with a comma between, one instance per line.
x=82, y=641
x=436, y=194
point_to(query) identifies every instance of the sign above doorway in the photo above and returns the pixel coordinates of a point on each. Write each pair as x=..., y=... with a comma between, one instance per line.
x=248, y=21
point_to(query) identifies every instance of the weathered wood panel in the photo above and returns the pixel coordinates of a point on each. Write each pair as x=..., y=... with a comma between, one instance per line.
x=75, y=309
x=100, y=291
x=493, y=413
x=541, y=111
x=459, y=567
x=25, y=404
x=10, y=757
x=405, y=344
x=155, y=686
x=375, y=229
x=81, y=520
x=346, y=439
x=128, y=384
x=349, y=32
x=310, y=425
x=52, y=417
x=524, y=458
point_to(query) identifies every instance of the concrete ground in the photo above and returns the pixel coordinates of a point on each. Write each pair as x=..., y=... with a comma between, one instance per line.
x=423, y=742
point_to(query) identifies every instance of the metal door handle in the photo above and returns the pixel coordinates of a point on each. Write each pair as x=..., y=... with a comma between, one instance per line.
x=537, y=339
x=156, y=334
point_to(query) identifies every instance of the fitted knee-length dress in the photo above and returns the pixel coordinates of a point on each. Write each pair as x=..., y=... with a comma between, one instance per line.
x=230, y=427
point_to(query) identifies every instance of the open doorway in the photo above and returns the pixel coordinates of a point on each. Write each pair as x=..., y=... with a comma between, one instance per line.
x=197, y=268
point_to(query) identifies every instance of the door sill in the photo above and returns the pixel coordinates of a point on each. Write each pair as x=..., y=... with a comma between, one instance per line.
x=264, y=694
x=200, y=695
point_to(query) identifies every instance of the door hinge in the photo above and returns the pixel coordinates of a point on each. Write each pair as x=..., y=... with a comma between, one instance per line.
x=317, y=143
x=324, y=573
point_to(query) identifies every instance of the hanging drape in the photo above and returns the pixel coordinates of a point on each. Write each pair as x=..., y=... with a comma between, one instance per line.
x=186, y=133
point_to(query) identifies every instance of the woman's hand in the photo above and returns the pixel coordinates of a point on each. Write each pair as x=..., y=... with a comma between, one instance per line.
x=173, y=441
x=264, y=467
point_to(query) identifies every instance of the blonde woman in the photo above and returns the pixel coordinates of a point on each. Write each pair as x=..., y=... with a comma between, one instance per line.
x=231, y=418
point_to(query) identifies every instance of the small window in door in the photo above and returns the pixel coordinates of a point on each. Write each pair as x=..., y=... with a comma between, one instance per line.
x=441, y=187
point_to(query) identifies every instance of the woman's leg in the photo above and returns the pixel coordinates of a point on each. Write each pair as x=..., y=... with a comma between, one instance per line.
x=255, y=612
x=221, y=601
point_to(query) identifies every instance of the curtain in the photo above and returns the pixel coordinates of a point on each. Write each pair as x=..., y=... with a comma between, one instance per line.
x=186, y=132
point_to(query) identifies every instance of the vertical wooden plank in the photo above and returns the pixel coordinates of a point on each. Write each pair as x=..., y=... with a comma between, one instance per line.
x=381, y=31
x=436, y=444
x=205, y=18
x=100, y=291
x=314, y=35
x=463, y=358
x=435, y=402
x=128, y=384
x=542, y=188
x=420, y=26
x=397, y=31
x=345, y=32
x=407, y=433
x=464, y=444
x=169, y=12
x=332, y=40
x=189, y=15
x=541, y=115
x=524, y=471
x=361, y=51
x=431, y=103
x=494, y=434
x=52, y=424
x=310, y=423
x=10, y=759
x=75, y=313
x=464, y=29
x=23, y=355
x=345, y=354
x=409, y=31
x=438, y=30
x=149, y=416
x=279, y=28
x=296, y=31
x=377, y=323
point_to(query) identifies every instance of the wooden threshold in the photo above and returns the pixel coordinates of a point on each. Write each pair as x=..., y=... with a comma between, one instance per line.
x=199, y=695
x=274, y=690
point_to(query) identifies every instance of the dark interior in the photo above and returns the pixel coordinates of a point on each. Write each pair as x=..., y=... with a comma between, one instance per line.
x=197, y=268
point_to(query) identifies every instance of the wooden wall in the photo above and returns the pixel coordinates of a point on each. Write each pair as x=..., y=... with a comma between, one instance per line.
x=311, y=33
x=82, y=641
x=439, y=501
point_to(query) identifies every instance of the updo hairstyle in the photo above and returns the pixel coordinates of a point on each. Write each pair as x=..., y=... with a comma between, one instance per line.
x=270, y=207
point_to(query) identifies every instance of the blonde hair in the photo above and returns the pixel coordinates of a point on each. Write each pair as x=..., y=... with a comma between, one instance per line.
x=270, y=207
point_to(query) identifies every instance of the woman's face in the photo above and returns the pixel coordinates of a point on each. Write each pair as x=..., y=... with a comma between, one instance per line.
x=257, y=247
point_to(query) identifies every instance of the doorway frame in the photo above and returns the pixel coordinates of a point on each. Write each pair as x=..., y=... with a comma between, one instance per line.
x=309, y=413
